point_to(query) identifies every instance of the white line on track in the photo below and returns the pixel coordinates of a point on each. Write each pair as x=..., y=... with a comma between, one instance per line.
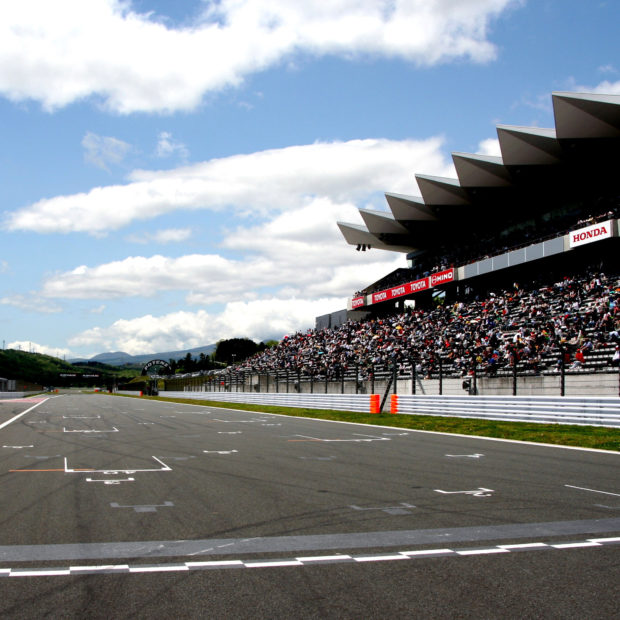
x=23, y=413
x=300, y=561
x=570, y=486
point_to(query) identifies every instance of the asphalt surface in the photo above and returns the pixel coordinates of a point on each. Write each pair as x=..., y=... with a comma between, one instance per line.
x=119, y=507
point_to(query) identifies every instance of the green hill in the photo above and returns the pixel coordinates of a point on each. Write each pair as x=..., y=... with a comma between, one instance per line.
x=48, y=371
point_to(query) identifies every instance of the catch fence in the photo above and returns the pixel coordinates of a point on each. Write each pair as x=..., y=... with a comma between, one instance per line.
x=412, y=377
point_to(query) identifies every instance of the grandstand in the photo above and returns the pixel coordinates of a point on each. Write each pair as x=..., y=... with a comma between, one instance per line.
x=511, y=282
x=550, y=202
x=549, y=205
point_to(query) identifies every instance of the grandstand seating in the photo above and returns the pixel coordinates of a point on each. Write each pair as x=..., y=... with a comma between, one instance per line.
x=526, y=330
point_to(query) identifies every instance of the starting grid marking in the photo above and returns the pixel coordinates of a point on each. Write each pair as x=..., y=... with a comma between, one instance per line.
x=300, y=561
x=365, y=438
x=69, y=470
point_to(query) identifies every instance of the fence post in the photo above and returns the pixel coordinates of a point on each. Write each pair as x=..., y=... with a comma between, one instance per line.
x=395, y=371
x=311, y=381
x=440, y=375
x=514, y=372
x=413, y=376
x=342, y=380
x=562, y=372
x=326, y=379
x=277, y=384
x=372, y=378
x=357, y=378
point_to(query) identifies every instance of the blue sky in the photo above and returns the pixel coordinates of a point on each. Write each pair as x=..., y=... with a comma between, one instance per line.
x=172, y=172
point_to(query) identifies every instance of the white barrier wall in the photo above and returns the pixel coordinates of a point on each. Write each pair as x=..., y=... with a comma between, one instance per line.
x=543, y=409
x=12, y=395
x=336, y=402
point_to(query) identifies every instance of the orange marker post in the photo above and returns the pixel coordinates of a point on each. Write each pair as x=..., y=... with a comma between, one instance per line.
x=394, y=403
x=375, y=403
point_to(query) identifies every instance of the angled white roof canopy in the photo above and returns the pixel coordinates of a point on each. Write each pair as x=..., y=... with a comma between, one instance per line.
x=575, y=161
x=441, y=190
x=406, y=208
x=528, y=146
x=586, y=116
x=480, y=170
x=382, y=222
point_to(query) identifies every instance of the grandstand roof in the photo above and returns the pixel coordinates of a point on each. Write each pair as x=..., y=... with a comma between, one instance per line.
x=538, y=168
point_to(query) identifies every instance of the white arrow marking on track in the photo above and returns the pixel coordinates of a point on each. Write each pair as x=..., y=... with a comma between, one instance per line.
x=219, y=451
x=468, y=456
x=480, y=492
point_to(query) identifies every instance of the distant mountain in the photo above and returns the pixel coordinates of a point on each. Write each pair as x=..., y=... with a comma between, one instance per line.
x=119, y=358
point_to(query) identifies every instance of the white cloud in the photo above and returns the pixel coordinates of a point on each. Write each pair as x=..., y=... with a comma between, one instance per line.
x=289, y=254
x=103, y=150
x=258, y=320
x=490, y=146
x=604, y=88
x=168, y=147
x=33, y=347
x=4, y=266
x=301, y=250
x=607, y=69
x=61, y=52
x=258, y=183
x=168, y=235
x=33, y=302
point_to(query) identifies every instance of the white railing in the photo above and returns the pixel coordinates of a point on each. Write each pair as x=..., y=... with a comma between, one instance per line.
x=338, y=402
x=12, y=395
x=549, y=409
x=543, y=409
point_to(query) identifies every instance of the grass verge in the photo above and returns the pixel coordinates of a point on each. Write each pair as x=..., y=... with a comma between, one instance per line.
x=598, y=437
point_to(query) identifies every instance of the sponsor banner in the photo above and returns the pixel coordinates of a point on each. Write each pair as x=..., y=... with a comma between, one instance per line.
x=380, y=296
x=589, y=234
x=418, y=285
x=397, y=291
x=75, y=374
x=357, y=302
x=441, y=277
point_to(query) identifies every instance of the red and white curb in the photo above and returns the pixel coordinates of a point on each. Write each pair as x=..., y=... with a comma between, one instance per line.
x=299, y=561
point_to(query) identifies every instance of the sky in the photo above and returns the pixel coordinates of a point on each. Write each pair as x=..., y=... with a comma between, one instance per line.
x=171, y=173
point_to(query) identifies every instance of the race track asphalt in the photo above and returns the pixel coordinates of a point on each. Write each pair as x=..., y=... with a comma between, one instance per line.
x=118, y=507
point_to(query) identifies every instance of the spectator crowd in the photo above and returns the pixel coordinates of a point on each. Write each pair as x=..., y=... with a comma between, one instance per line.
x=538, y=327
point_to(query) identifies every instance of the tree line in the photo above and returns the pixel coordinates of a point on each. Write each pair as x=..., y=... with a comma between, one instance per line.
x=227, y=352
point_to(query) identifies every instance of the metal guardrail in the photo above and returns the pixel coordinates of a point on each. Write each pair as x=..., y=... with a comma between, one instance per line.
x=540, y=409
x=14, y=395
x=336, y=402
